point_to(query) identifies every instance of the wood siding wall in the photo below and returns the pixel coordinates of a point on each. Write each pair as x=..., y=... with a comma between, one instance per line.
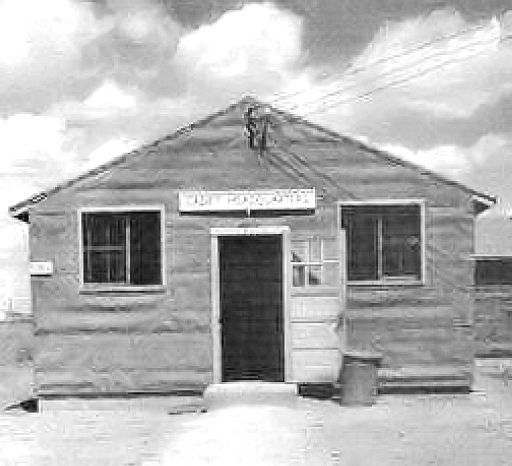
x=161, y=341
x=493, y=320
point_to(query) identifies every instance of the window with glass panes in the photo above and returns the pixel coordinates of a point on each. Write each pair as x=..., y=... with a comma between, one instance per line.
x=122, y=248
x=384, y=242
x=315, y=262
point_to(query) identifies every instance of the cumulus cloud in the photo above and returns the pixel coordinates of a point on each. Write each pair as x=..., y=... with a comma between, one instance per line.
x=439, y=63
x=253, y=50
x=109, y=96
x=40, y=150
x=64, y=49
x=40, y=48
x=257, y=39
x=60, y=48
x=32, y=31
x=107, y=101
x=32, y=144
x=455, y=160
x=139, y=41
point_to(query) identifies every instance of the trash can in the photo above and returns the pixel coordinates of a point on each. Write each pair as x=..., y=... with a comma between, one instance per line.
x=358, y=378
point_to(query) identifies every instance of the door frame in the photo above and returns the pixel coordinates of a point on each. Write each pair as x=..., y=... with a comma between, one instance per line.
x=215, y=233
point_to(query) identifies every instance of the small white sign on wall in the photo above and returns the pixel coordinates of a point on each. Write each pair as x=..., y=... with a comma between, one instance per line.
x=270, y=199
x=41, y=268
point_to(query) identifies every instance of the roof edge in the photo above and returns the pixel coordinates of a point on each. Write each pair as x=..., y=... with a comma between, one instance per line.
x=19, y=210
x=382, y=153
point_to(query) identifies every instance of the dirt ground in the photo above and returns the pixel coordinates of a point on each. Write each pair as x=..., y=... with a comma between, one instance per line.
x=473, y=429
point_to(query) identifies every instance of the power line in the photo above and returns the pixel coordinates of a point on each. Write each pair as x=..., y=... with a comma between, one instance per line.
x=360, y=69
x=393, y=72
x=399, y=81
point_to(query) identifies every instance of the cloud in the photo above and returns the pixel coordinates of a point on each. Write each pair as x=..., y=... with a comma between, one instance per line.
x=139, y=42
x=455, y=160
x=40, y=49
x=110, y=150
x=63, y=48
x=108, y=100
x=109, y=96
x=31, y=30
x=439, y=64
x=256, y=49
x=29, y=141
x=242, y=41
x=34, y=155
x=210, y=66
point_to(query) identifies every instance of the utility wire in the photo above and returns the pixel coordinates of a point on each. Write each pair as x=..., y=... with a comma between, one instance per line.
x=400, y=80
x=354, y=71
x=389, y=74
x=393, y=73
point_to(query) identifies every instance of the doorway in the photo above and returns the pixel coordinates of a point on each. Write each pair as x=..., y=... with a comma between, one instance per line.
x=251, y=307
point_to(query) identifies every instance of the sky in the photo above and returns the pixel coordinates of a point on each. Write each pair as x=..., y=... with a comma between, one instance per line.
x=84, y=81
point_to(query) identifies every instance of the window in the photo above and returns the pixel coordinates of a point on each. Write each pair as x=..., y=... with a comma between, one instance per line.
x=384, y=242
x=122, y=248
x=495, y=271
x=315, y=262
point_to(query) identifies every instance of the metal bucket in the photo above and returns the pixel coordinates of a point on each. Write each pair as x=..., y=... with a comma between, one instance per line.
x=359, y=383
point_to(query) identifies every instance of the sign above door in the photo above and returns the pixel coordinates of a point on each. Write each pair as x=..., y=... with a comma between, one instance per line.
x=247, y=200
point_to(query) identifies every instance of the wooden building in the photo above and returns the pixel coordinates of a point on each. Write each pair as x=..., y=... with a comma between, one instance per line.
x=250, y=245
x=493, y=287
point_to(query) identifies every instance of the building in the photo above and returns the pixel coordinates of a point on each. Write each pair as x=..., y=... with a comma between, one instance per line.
x=250, y=245
x=493, y=287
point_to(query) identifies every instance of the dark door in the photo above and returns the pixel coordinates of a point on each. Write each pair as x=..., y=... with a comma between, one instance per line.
x=251, y=305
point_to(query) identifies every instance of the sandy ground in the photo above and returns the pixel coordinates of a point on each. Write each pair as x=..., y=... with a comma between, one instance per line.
x=474, y=429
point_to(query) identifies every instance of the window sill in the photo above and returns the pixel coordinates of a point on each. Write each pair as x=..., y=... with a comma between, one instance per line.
x=95, y=289
x=385, y=283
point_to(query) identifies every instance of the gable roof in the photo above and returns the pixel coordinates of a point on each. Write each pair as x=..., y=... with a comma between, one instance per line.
x=20, y=210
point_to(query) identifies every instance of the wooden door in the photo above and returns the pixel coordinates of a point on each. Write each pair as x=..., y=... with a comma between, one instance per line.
x=251, y=307
x=317, y=310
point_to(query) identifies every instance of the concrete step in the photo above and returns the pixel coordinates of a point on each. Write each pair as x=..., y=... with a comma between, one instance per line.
x=249, y=392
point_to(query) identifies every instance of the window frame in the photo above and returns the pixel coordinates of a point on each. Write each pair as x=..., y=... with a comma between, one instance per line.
x=308, y=288
x=115, y=287
x=390, y=203
x=479, y=259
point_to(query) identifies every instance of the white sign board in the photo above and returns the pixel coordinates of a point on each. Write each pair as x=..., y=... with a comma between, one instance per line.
x=271, y=199
x=41, y=268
